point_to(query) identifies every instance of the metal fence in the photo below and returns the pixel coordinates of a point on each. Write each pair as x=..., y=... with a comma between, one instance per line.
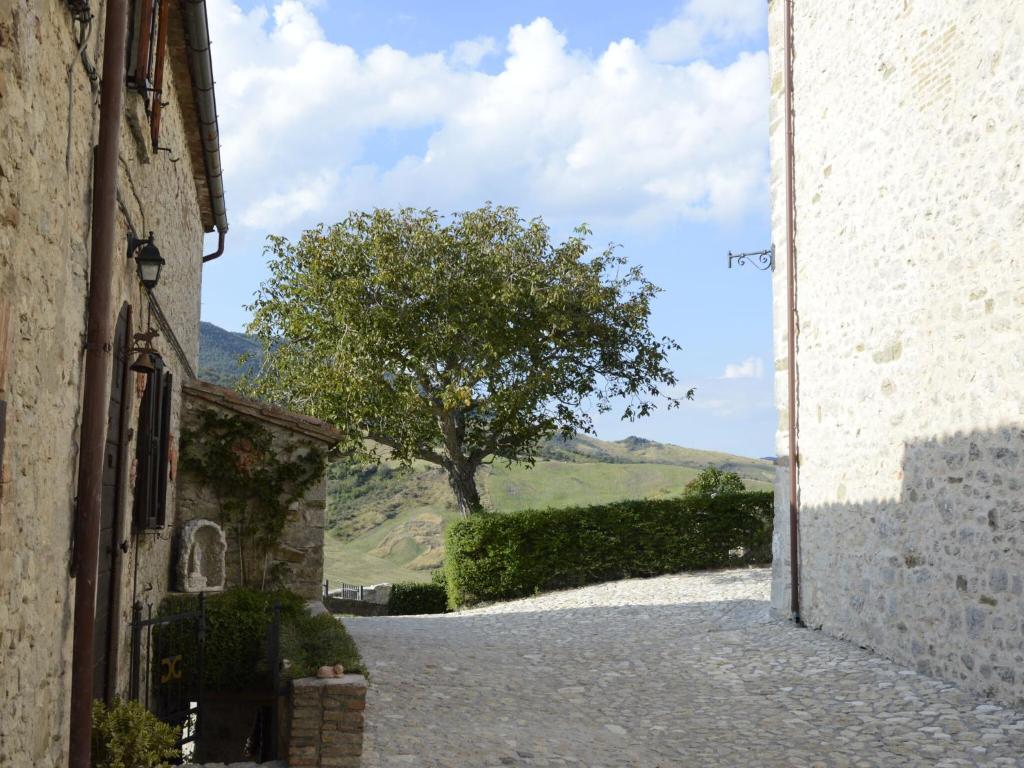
x=167, y=668
x=344, y=591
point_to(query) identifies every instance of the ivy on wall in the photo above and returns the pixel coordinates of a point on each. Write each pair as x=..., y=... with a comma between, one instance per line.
x=254, y=481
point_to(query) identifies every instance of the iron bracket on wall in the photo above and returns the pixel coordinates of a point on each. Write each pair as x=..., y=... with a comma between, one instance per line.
x=762, y=260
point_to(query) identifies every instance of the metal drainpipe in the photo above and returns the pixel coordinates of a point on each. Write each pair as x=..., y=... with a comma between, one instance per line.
x=220, y=247
x=99, y=343
x=794, y=456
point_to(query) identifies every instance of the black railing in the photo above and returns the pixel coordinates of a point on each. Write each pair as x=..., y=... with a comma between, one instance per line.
x=167, y=668
x=344, y=591
x=264, y=743
x=276, y=661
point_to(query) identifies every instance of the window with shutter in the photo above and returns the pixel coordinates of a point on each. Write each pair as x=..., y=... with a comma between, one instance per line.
x=147, y=46
x=153, y=451
x=163, y=462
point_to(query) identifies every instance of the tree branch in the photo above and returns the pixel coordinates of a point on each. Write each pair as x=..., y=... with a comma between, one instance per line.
x=425, y=454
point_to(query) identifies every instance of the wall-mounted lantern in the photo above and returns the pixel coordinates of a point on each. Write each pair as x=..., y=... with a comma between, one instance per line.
x=147, y=258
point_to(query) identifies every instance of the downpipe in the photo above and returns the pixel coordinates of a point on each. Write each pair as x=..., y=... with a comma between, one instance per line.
x=794, y=456
x=98, y=356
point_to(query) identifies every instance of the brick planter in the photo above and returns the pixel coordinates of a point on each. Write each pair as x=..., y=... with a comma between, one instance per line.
x=326, y=722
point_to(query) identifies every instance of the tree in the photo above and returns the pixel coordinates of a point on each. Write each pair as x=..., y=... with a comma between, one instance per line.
x=456, y=341
x=712, y=482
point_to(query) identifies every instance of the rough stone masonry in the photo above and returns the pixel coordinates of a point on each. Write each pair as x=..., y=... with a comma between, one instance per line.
x=48, y=124
x=910, y=306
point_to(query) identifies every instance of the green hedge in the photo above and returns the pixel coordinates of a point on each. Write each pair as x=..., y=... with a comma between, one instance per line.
x=237, y=628
x=505, y=556
x=410, y=598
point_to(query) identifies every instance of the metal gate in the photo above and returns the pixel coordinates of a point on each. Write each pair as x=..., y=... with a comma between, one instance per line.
x=167, y=669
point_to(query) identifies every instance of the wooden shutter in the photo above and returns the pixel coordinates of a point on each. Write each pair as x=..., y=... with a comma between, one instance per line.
x=156, y=108
x=154, y=451
x=163, y=462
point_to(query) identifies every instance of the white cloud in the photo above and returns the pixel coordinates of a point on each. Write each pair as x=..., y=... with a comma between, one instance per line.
x=702, y=26
x=751, y=368
x=621, y=136
x=469, y=53
x=286, y=207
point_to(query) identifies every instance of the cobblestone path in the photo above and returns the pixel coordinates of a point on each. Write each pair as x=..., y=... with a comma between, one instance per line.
x=674, y=671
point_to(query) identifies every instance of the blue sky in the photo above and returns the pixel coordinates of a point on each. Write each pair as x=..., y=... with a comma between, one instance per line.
x=648, y=121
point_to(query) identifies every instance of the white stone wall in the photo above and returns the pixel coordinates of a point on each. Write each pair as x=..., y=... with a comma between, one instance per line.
x=48, y=124
x=910, y=269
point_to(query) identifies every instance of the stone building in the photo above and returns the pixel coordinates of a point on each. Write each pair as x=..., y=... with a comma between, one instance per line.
x=61, y=78
x=298, y=555
x=908, y=267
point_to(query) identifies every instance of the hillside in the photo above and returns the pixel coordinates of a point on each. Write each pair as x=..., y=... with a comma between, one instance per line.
x=387, y=524
x=219, y=353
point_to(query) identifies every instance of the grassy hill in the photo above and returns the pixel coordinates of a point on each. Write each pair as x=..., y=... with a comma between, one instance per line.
x=387, y=524
x=219, y=353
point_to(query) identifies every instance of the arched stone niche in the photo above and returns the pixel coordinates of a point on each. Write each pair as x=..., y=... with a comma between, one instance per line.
x=201, y=557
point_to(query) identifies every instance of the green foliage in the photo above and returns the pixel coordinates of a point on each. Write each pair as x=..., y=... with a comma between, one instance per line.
x=377, y=512
x=237, y=460
x=712, y=481
x=455, y=341
x=127, y=735
x=411, y=598
x=499, y=557
x=315, y=641
x=238, y=624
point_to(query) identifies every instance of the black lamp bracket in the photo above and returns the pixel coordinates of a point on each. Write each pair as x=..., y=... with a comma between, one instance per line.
x=134, y=243
x=762, y=260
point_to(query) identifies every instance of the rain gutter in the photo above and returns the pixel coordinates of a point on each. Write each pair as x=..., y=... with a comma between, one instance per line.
x=200, y=64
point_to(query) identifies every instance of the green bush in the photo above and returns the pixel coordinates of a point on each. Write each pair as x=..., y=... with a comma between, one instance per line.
x=505, y=556
x=237, y=629
x=315, y=641
x=127, y=735
x=412, y=597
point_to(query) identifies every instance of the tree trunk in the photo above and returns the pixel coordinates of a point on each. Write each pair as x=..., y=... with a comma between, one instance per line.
x=461, y=469
x=462, y=478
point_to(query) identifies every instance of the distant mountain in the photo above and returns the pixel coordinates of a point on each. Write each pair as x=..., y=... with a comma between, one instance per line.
x=220, y=352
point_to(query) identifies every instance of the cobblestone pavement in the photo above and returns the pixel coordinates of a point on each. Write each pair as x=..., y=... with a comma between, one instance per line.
x=675, y=671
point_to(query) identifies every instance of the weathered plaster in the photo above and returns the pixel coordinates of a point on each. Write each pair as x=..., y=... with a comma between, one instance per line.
x=909, y=235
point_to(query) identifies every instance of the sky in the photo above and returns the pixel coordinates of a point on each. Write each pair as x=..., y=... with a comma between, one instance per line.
x=647, y=121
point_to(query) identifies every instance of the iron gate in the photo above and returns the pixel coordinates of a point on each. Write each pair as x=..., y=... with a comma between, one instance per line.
x=167, y=669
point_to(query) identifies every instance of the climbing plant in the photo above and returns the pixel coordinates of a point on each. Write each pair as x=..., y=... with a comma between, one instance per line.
x=253, y=480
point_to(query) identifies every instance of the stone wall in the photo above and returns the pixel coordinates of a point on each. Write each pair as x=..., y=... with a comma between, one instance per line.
x=909, y=243
x=300, y=550
x=48, y=125
x=326, y=722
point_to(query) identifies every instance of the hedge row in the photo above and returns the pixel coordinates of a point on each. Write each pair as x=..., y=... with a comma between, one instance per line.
x=411, y=598
x=505, y=556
